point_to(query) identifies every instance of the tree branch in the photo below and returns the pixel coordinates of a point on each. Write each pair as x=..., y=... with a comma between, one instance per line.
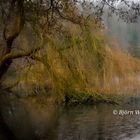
x=11, y=55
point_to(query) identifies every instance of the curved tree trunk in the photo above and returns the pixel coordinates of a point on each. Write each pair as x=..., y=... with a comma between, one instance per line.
x=13, y=27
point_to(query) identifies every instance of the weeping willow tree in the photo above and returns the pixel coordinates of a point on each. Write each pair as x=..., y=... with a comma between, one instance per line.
x=43, y=17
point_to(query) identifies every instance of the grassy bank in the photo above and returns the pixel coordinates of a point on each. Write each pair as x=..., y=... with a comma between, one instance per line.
x=79, y=66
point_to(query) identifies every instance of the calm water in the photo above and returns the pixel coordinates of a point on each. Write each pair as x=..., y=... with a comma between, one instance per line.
x=29, y=120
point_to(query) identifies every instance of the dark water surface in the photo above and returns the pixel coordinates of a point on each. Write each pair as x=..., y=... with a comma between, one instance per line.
x=29, y=120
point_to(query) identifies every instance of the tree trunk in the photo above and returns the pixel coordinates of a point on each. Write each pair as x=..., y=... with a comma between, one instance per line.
x=5, y=65
x=13, y=27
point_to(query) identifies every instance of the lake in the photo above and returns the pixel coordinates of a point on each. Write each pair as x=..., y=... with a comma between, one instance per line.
x=29, y=120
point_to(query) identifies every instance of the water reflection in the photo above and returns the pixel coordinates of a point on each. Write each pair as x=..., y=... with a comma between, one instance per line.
x=31, y=121
x=89, y=123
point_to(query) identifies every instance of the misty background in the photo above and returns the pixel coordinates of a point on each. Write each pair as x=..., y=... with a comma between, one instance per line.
x=128, y=34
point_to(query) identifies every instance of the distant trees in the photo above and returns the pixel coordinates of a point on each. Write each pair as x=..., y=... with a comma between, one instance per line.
x=43, y=16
